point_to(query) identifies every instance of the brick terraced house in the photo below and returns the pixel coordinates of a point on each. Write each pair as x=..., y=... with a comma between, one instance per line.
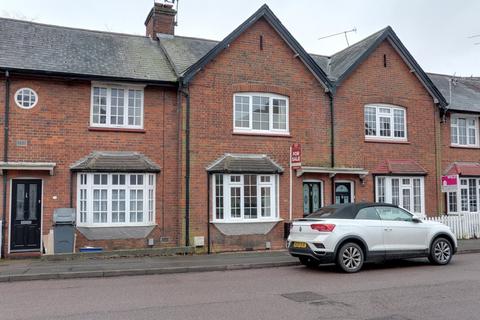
x=164, y=140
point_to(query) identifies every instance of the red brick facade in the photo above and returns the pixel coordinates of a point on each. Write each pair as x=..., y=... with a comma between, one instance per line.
x=394, y=84
x=58, y=130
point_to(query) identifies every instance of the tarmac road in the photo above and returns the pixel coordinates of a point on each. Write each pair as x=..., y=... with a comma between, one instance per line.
x=397, y=291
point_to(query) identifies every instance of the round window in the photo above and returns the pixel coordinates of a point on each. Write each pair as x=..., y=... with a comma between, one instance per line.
x=26, y=98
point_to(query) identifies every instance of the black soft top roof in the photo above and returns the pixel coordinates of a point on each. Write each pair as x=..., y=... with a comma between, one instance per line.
x=346, y=211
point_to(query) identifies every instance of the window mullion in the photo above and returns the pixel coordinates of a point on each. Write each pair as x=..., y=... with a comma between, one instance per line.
x=89, y=186
x=392, y=122
x=259, y=198
x=270, y=113
x=250, y=111
x=125, y=107
x=109, y=199
x=242, y=203
x=227, y=206
x=377, y=122
x=108, y=106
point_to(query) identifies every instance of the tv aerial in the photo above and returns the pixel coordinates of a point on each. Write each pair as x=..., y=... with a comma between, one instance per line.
x=345, y=33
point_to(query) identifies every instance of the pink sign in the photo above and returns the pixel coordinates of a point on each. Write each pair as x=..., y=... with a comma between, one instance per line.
x=449, y=183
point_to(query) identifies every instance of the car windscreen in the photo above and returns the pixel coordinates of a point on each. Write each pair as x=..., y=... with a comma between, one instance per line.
x=334, y=212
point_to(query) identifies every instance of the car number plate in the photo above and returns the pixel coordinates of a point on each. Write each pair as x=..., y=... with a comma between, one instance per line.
x=302, y=245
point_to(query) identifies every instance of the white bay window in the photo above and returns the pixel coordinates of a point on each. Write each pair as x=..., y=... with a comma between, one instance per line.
x=467, y=198
x=117, y=106
x=115, y=199
x=406, y=192
x=244, y=197
x=260, y=113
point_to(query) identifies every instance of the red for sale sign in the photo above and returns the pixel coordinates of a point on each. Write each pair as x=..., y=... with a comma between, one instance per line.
x=296, y=155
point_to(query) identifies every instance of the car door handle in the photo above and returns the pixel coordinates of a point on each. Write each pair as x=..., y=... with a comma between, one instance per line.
x=388, y=229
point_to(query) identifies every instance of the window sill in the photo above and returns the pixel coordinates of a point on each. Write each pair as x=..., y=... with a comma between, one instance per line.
x=260, y=134
x=102, y=129
x=114, y=225
x=386, y=141
x=464, y=147
x=245, y=221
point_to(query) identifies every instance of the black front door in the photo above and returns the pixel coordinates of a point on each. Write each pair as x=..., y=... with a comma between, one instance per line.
x=26, y=214
x=343, y=192
x=312, y=197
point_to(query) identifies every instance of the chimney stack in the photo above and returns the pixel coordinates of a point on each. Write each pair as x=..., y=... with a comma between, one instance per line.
x=161, y=19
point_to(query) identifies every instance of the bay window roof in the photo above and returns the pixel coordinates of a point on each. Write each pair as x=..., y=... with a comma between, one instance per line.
x=471, y=169
x=399, y=167
x=244, y=163
x=115, y=161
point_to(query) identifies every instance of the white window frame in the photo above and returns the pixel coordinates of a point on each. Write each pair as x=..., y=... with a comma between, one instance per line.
x=458, y=193
x=126, y=88
x=20, y=103
x=467, y=117
x=402, y=186
x=271, y=130
x=149, y=184
x=227, y=185
x=391, y=116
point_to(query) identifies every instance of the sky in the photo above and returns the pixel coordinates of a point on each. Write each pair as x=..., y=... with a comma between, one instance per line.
x=438, y=33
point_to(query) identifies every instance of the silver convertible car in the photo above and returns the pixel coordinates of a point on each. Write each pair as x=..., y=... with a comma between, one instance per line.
x=351, y=234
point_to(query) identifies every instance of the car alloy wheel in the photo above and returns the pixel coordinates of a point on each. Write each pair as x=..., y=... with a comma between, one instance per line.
x=350, y=257
x=441, y=252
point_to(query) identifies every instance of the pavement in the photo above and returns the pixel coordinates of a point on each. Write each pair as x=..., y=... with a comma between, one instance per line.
x=37, y=269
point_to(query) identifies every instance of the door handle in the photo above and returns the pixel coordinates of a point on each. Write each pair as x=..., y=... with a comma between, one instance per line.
x=388, y=229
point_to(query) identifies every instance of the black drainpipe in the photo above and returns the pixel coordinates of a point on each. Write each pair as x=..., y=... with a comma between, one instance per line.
x=187, y=167
x=332, y=142
x=5, y=157
x=208, y=213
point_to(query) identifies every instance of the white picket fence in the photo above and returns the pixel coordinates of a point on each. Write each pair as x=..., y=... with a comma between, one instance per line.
x=464, y=225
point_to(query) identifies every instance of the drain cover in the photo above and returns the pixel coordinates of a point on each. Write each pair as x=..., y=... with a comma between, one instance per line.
x=304, y=296
x=391, y=317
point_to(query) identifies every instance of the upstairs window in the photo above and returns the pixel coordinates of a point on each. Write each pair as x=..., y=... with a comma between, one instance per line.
x=464, y=130
x=117, y=107
x=385, y=122
x=260, y=113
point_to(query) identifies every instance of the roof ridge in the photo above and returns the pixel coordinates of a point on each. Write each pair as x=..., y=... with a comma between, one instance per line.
x=472, y=78
x=360, y=41
x=196, y=38
x=73, y=28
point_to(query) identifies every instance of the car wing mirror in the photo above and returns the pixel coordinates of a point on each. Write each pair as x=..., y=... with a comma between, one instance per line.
x=416, y=220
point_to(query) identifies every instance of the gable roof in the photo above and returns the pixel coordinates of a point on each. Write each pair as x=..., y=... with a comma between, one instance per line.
x=462, y=93
x=343, y=63
x=28, y=46
x=269, y=16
